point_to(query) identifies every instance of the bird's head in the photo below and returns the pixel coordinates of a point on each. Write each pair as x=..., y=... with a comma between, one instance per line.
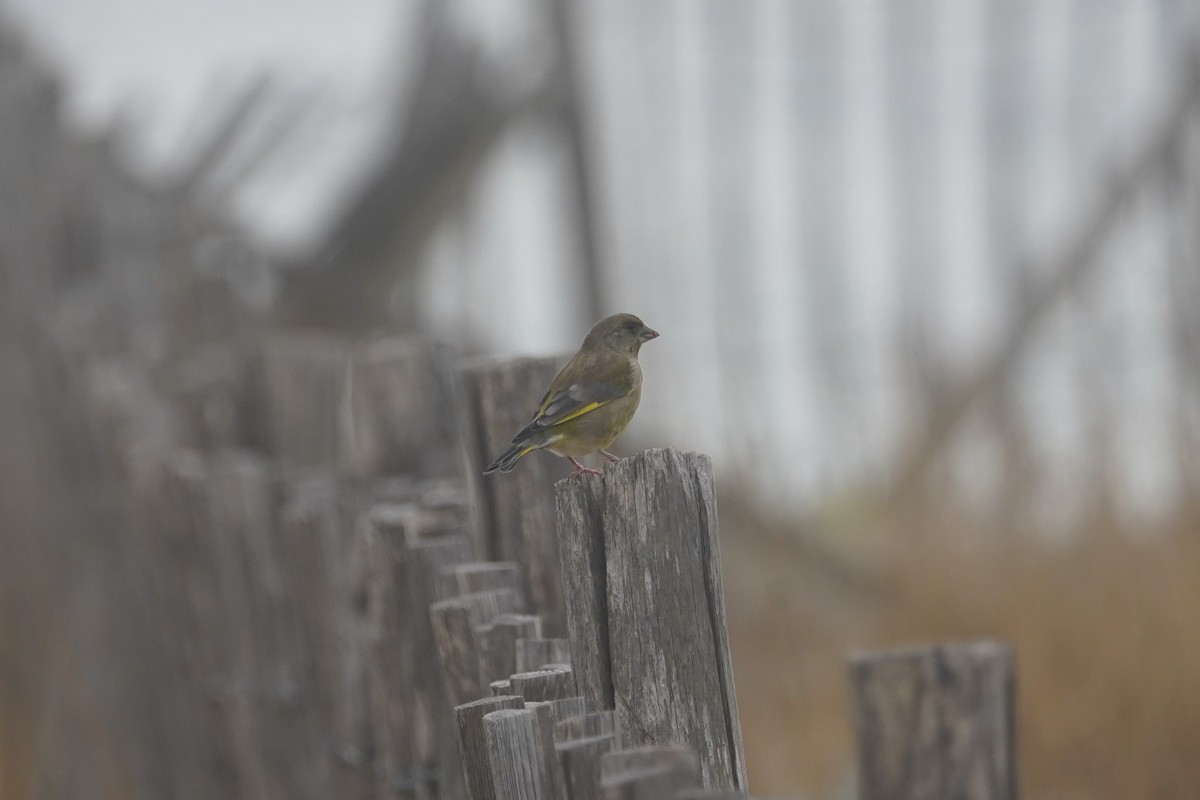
x=624, y=333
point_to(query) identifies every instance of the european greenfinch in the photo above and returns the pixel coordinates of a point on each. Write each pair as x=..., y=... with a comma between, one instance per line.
x=590, y=401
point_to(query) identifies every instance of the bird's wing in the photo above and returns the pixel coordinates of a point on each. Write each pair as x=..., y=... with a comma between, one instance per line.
x=568, y=403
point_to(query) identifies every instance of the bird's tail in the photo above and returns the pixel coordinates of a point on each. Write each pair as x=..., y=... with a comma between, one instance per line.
x=509, y=458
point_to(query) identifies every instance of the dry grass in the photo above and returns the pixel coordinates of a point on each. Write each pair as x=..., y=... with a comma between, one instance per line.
x=1107, y=632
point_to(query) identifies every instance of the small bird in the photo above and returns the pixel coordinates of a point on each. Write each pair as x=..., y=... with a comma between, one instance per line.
x=590, y=401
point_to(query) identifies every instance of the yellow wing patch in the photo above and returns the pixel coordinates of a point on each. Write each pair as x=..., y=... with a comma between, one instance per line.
x=579, y=413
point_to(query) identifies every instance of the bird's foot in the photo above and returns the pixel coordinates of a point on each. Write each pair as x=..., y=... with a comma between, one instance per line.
x=580, y=469
x=609, y=456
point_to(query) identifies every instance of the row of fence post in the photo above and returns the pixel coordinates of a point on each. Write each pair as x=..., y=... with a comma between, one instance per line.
x=358, y=623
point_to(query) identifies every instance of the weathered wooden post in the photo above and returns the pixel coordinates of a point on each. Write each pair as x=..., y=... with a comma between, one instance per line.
x=429, y=550
x=514, y=512
x=283, y=715
x=648, y=773
x=566, y=708
x=580, y=743
x=515, y=754
x=500, y=643
x=472, y=743
x=936, y=722
x=597, y=723
x=641, y=560
x=544, y=684
x=403, y=402
x=312, y=551
x=457, y=623
x=175, y=509
x=480, y=576
x=546, y=716
x=390, y=656
x=579, y=760
x=216, y=393
x=585, y=585
x=536, y=653
x=306, y=377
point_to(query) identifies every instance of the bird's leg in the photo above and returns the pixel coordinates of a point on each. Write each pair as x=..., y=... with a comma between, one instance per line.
x=581, y=469
x=609, y=455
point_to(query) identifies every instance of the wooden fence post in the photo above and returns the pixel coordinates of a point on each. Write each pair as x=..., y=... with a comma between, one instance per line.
x=936, y=722
x=429, y=552
x=597, y=723
x=479, y=576
x=515, y=755
x=515, y=511
x=456, y=628
x=645, y=559
x=565, y=708
x=177, y=512
x=546, y=717
x=403, y=399
x=544, y=684
x=579, y=760
x=580, y=742
x=648, y=773
x=472, y=743
x=536, y=653
x=580, y=505
x=390, y=656
x=306, y=376
x=500, y=643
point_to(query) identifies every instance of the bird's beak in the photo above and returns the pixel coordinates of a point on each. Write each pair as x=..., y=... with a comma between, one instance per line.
x=648, y=334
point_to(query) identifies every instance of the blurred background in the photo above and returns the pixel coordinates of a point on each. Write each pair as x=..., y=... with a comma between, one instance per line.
x=927, y=274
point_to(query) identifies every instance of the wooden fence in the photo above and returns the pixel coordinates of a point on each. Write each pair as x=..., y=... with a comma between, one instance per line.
x=321, y=632
x=242, y=563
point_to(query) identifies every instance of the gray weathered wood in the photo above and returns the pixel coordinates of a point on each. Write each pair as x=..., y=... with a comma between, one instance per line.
x=515, y=755
x=240, y=495
x=580, y=504
x=663, y=610
x=648, y=773
x=455, y=624
x=181, y=516
x=472, y=744
x=501, y=687
x=305, y=382
x=427, y=557
x=936, y=722
x=404, y=408
x=479, y=576
x=536, y=653
x=213, y=391
x=315, y=562
x=566, y=708
x=546, y=720
x=584, y=726
x=391, y=659
x=544, y=684
x=515, y=511
x=310, y=558
x=436, y=737
x=579, y=760
x=711, y=794
x=500, y=643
